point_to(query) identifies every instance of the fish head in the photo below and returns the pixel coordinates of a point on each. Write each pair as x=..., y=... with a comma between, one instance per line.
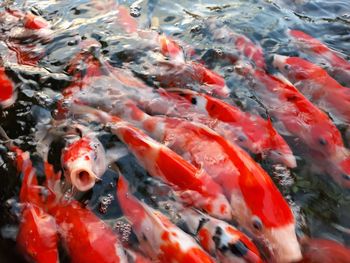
x=84, y=162
x=294, y=68
x=260, y=208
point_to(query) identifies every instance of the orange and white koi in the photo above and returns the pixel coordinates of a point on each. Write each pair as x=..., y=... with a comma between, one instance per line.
x=247, y=130
x=219, y=238
x=194, y=185
x=159, y=238
x=315, y=83
x=8, y=93
x=234, y=170
x=339, y=66
x=300, y=118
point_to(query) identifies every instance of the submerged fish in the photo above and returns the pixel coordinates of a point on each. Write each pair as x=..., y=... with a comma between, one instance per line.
x=159, y=238
x=300, y=118
x=339, y=66
x=315, y=83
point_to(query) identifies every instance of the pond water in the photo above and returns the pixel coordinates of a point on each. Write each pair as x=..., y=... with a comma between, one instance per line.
x=321, y=207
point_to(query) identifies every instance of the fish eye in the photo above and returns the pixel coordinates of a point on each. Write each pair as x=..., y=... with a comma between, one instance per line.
x=194, y=101
x=322, y=141
x=346, y=177
x=256, y=223
x=286, y=67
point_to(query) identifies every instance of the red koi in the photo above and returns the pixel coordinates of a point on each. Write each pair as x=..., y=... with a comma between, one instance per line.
x=242, y=179
x=324, y=251
x=303, y=120
x=194, y=185
x=340, y=67
x=37, y=235
x=8, y=93
x=315, y=83
x=86, y=237
x=159, y=238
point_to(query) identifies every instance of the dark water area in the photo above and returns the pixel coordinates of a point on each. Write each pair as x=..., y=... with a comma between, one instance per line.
x=321, y=207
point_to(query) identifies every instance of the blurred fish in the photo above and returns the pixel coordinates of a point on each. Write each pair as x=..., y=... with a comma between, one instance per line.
x=324, y=251
x=315, y=83
x=339, y=66
x=8, y=93
x=159, y=238
x=249, y=50
x=300, y=118
x=37, y=236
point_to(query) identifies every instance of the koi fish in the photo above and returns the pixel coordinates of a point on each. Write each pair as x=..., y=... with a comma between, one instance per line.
x=248, y=49
x=249, y=131
x=8, y=93
x=219, y=238
x=86, y=237
x=194, y=185
x=300, y=118
x=340, y=67
x=159, y=238
x=84, y=162
x=37, y=235
x=315, y=83
x=242, y=179
x=324, y=251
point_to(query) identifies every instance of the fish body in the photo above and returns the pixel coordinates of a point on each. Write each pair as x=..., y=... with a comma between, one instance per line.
x=37, y=236
x=194, y=185
x=8, y=93
x=315, y=83
x=339, y=67
x=219, y=238
x=300, y=118
x=242, y=179
x=159, y=238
